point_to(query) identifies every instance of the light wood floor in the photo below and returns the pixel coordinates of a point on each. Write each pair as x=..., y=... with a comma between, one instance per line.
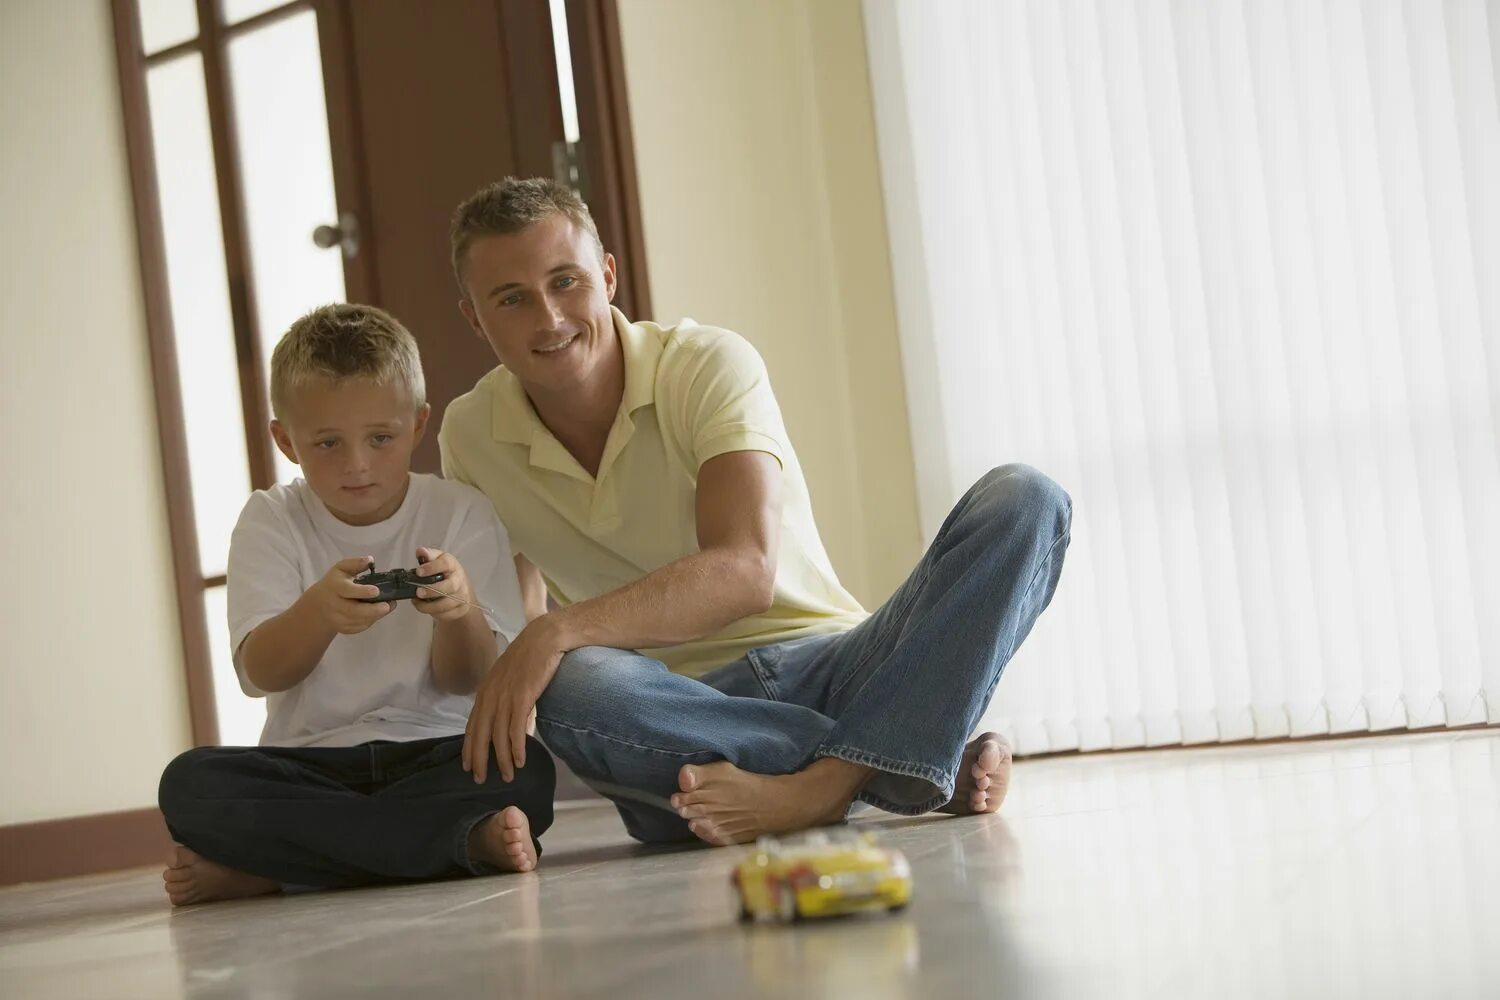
x=1350, y=868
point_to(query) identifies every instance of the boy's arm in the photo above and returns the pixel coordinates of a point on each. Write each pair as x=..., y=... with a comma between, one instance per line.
x=463, y=643
x=282, y=651
x=533, y=588
x=464, y=634
x=462, y=650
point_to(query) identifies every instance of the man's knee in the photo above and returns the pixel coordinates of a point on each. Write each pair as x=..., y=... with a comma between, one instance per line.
x=1020, y=491
x=592, y=678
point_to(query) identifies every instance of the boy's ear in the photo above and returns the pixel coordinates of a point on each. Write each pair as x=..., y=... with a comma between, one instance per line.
x=419, y=428
x=284, y=442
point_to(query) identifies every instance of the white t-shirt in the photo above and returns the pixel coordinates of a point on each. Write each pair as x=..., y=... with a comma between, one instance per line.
x=376, y=685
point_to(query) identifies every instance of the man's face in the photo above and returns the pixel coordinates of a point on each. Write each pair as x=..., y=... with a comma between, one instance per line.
x=541, y=299
x=353, y=440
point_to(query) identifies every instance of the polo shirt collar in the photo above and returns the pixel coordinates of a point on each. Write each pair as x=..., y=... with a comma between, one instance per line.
x=514, y=419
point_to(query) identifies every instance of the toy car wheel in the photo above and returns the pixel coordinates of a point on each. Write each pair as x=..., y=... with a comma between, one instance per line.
x=786, y=905
x=740, y=908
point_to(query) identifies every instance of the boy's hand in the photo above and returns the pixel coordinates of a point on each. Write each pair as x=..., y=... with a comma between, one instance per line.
x=337, y=598
x=433, y=600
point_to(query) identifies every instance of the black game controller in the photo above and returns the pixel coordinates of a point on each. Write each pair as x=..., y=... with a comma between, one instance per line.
x=396, y=584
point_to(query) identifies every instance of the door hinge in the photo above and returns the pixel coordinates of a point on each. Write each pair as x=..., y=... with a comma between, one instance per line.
x=567, y=166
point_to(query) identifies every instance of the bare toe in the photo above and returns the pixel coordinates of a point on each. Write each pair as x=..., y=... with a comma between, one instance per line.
x=983, y=777
x=504, y=841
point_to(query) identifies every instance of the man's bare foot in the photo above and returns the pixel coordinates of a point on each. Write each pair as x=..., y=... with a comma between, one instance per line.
x=193, y=879
x=725, y=805
x=504, y=841
x=983, y=777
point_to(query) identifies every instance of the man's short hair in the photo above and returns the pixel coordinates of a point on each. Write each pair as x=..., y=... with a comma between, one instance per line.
x=341, y=342
x=509, y=206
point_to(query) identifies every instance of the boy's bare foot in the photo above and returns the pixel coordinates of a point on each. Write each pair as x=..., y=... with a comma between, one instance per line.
x=725, y=805
x=504, y=841
x=983, y=777
x=193, y=879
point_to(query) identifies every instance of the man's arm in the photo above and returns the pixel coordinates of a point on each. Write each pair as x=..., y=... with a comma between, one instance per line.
x=738, y=510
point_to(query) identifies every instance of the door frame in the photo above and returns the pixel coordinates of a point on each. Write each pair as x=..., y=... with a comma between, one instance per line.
x=601, y=97
x=604, y=122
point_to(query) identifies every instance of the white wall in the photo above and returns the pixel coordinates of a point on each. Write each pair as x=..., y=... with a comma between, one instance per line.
x=763, y=213
x=92, y=699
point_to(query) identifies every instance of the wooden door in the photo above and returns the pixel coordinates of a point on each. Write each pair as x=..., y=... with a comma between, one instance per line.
x=427, y=103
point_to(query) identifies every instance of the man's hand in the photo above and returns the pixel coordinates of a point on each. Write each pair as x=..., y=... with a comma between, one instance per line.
x=434, y=600
x=336, y=598
x=505, y=699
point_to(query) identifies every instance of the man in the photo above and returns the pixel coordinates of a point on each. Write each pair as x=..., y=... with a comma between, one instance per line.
x=705, y=669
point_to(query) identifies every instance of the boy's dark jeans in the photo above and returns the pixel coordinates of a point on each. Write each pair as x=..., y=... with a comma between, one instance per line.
x=329, y=817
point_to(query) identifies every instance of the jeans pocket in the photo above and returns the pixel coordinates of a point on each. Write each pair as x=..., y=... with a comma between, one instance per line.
x=764, y=663
x=796, y=671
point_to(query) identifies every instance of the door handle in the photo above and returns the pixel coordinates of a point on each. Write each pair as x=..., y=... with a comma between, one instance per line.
x=344, y=235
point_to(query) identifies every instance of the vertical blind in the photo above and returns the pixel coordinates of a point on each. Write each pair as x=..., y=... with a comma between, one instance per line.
x=1229, y=270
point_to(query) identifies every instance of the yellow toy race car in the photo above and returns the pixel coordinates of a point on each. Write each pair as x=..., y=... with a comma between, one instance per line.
x=820, y=874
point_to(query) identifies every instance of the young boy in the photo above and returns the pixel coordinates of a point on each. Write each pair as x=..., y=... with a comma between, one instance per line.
x=358, y=778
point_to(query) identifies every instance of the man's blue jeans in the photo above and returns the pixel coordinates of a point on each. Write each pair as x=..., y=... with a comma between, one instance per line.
x=900, y=693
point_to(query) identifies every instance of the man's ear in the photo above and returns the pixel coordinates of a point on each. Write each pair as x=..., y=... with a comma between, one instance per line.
x=419, y=428
x=471, y=316
x=610, y=284
x=284, y=441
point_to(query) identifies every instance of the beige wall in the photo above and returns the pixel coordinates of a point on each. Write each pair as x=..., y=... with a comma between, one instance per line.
x=91, y=692
x=763, y=213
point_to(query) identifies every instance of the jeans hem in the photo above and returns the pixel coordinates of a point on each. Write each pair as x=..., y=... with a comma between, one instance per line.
x=906, y=769
x=461, y=848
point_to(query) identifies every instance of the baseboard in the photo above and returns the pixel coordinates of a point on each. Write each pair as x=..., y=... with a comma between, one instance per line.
x=82, y=845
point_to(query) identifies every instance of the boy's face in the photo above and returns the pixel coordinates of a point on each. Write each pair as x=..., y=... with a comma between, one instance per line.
x=353, y=439
x=541, y=299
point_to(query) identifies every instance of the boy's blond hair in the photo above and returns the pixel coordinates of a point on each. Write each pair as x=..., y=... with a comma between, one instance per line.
x=345, y=341
x=509, y=206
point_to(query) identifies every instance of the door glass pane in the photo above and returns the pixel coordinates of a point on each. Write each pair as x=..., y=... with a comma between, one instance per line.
x=564, y=56
x=287, y=171
x=236, y=11
x=241, y=717
x=208, y=372
x=165, y=23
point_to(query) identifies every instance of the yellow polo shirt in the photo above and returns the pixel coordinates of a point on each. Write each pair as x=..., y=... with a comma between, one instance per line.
x=691, y=393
